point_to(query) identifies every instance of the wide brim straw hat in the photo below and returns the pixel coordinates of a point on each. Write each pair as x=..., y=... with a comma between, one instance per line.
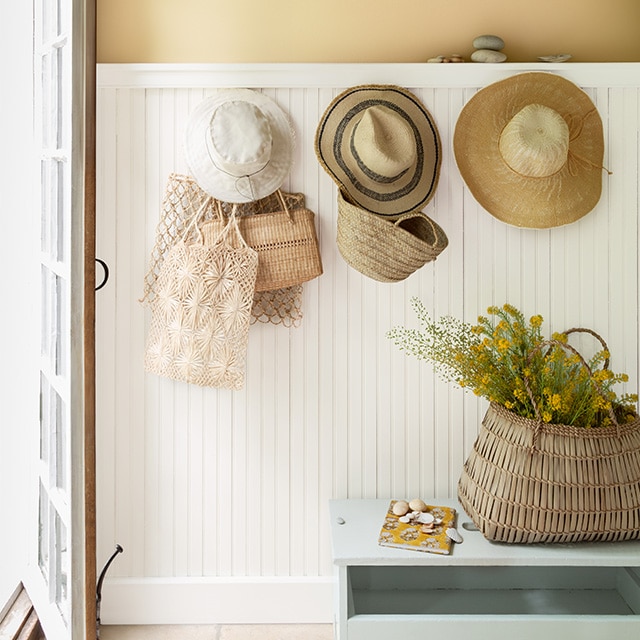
x=383, y=249
x=381, y=145
x=239, y=145
x=530, y=148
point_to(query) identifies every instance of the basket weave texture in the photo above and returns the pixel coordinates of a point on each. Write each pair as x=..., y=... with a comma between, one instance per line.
x=526, y=481
x=383, y=250
x=286, y=242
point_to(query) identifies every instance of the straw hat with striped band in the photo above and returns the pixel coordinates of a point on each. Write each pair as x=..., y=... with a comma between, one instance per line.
x=530, y=148
x=381, y=145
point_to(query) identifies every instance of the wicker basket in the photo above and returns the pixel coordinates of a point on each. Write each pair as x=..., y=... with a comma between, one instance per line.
x=528, y=481
x=577, y=484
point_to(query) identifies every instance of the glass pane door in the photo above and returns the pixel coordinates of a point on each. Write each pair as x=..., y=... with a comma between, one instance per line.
x=53, y=132
x=60, y=586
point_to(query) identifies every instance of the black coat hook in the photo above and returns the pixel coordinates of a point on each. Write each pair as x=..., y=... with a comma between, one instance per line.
x=104, y=266
x=103, y=573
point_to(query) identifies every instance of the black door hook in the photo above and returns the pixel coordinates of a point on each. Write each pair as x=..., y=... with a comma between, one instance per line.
x=104, y=266
x=103, y=573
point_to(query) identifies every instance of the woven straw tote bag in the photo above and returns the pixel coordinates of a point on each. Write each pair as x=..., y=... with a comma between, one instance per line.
x=200, y=315
x=286, y=242
x=383, y=250
x=527, y=481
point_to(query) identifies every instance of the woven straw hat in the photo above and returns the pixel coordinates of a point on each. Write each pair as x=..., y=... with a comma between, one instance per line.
x=239, y=145
x=381, y=145
x=530, y=149
x=386, y=250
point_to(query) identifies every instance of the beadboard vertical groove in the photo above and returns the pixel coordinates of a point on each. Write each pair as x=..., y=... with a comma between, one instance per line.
x=204, y=482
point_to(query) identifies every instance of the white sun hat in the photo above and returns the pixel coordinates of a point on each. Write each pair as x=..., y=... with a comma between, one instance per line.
x=239, y=145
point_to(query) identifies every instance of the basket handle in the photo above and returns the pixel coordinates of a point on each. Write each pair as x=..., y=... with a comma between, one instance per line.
x=285, y=208
x=605, y=364
x=582, y=361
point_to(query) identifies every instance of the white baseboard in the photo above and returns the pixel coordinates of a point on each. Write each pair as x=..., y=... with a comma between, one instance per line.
x=255, y=600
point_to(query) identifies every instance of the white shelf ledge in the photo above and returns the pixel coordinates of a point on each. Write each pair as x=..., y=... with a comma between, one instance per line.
x=323, y=75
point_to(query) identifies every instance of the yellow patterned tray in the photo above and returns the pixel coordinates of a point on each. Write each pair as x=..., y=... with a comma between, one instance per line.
x=409, y=535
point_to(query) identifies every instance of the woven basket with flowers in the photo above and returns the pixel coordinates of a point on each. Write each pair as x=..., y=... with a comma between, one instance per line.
x=557, y=458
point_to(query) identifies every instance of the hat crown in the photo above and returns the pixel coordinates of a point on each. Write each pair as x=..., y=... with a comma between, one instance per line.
x=535, y=142
x=241, y=138
x=383, y=143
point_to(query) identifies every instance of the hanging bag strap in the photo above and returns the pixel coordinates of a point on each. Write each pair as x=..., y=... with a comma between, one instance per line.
x=285, y=208
x=194, y=222
x=231, y=228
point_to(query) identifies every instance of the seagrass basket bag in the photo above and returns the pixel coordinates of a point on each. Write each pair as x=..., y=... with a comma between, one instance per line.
x=527, y=481
x=385, y=250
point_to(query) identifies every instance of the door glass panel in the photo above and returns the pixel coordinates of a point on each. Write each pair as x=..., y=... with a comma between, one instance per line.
x=43, y=532
x=55, y=108
x=45, y=421
x=60, y=579
x=61, y=479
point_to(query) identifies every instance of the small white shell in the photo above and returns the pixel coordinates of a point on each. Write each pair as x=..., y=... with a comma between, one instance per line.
x=425, y=518
x=404, y=519
x=558, y=57
x=400, y=508
x=417, y=505
x=454, y=535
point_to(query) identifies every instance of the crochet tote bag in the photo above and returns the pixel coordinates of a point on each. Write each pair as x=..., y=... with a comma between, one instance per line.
x=200, y=315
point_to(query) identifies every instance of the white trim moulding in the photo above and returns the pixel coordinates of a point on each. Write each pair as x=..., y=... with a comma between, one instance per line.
x=251, y=600
x=322, y=75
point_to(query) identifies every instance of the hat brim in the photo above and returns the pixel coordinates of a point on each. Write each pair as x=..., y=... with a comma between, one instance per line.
x=416, y=186
x=216, y=182
x=536, y=203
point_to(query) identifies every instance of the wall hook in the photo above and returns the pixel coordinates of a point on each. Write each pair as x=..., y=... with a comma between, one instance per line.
x=118, y=550
x=104, y=266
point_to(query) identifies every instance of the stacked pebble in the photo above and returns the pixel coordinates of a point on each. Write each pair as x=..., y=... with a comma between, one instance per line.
x=488, y=49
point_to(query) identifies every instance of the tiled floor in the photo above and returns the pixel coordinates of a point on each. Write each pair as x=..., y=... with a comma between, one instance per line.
x=219, y=632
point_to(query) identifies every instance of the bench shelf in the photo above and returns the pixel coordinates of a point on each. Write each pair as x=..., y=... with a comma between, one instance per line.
x=482, y=589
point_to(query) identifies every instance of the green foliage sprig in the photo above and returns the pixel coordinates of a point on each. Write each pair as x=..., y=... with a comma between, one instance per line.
x=495, y=356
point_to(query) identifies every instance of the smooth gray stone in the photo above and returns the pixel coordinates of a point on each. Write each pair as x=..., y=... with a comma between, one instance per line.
x=488, y=55
x=488, y=42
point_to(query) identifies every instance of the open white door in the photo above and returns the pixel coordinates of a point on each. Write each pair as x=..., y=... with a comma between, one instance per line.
x=61, y=576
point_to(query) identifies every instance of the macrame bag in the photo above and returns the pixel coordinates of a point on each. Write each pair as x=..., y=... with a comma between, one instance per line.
x=201, y=311
x=286, y=242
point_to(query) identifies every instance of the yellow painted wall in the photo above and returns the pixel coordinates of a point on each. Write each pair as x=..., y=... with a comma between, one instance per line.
x=362, y=30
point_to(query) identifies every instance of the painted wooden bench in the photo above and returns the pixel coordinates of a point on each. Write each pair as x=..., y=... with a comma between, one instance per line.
x=482, y=590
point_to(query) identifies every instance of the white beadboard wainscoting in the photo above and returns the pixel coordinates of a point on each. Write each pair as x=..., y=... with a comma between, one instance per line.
x=219, y=498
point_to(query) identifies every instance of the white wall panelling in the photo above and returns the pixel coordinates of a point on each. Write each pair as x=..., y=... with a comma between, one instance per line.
x=203, y=486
